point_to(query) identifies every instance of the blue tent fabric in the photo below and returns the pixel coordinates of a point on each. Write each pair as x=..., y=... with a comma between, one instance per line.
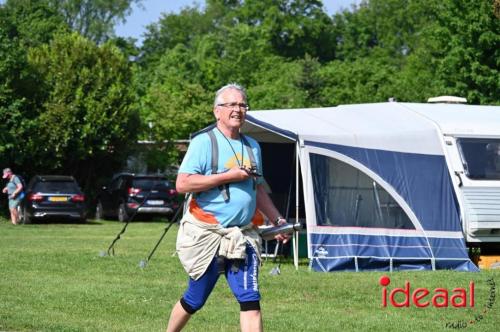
x=351, y=245
x=375, y=264
x=424, y=183
x=333, y=252
x=422, y=180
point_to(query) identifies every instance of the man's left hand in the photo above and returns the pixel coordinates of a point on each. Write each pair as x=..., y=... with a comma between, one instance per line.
x=282, y=237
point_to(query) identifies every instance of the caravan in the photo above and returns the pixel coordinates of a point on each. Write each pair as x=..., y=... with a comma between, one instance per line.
x=388, y=186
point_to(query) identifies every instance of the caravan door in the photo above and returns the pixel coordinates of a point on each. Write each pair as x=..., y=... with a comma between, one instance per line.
x=475, y=163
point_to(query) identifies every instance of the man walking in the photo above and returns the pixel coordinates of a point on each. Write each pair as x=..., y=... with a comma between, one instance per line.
x=223, y=168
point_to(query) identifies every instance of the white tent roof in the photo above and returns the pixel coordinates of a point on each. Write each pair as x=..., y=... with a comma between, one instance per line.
x=403, y=127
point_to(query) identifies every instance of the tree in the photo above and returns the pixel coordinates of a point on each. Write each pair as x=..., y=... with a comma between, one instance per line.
x=277, y=85
x=431, y=47
x=94, y=19
x=174, y=102
x=293, y=27
x=86, y=124
x=12, y=99
x=471, y=51
x=361, y=81
x=172, y=30
x=19, y=88
x=31, y=22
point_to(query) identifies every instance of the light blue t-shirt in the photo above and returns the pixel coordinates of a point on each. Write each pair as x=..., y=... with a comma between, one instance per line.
x=240, y=208
x=12, y=185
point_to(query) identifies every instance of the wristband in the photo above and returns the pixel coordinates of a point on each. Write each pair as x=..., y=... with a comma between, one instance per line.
x=276, y=221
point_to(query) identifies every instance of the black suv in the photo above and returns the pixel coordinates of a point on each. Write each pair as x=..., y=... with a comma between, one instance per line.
x=126, y=194
x=54, y=196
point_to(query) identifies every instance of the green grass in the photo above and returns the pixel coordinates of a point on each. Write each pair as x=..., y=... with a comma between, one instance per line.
x=52, y=279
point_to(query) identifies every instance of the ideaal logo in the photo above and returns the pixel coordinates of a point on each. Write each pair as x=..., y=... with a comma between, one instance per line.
x=423, y=297
x=439, y=298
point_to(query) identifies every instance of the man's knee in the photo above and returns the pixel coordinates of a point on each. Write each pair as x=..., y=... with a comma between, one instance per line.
x=250, y=305
x=191, y=308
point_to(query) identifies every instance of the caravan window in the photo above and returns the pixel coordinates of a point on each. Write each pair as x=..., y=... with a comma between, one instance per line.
x=480, y=157
x=344, y=196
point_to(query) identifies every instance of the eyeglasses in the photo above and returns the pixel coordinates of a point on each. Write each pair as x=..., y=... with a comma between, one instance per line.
x=242, y=106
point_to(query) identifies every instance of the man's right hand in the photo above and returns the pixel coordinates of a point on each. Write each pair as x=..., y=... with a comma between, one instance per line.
x=237, y=174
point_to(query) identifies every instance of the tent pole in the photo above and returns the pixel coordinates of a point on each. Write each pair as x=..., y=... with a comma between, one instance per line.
x=296, y=234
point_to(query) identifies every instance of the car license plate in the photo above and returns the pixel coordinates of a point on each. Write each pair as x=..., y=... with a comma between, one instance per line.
x=58, y=199
x=155, y=202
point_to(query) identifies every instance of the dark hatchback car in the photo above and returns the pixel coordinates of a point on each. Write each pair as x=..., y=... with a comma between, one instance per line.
x=54, y=197
x=145, y=195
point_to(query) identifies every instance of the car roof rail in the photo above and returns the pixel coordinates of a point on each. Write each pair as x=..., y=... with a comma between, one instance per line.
x=122, y=174
x=55, y=177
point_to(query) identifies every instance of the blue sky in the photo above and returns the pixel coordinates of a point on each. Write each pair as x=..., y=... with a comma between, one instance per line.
x=152, y=10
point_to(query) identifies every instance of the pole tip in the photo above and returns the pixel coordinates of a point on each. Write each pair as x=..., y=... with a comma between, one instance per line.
x=275, y=271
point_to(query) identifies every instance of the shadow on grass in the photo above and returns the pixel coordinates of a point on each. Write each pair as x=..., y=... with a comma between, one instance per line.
x=93, y=222
x=65, y=222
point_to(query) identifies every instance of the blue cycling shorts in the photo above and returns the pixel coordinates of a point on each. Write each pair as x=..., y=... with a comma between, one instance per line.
x=242, y=279
x=14, y=202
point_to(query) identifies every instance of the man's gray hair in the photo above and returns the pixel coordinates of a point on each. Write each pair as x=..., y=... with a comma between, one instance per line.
x=233, y=86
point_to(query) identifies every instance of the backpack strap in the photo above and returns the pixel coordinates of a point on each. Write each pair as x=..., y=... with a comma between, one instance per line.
x=251, y=156
x=19, y=179
x=224, y=189
x=215, y=152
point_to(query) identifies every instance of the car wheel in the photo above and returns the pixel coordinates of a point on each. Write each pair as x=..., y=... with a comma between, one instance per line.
x=122, y=213
x=99, y=215
x=26, y=218
x=20, y=214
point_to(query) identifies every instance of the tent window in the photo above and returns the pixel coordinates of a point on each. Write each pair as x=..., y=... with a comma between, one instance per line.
x=481, y=158
x=344, y=196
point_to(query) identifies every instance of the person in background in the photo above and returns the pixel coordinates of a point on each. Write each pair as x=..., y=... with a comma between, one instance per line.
x=13, y=189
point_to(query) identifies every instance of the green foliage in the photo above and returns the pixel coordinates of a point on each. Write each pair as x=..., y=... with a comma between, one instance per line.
x=16, y=92
x=175, y=107
x=86, y=115
x=31, y=22
x=277, y=85
x=173, y=30
x=293, y=28
x=360, y=81
x=70, y=104
x=435, y=48
x=93, y=19
x=291, y=54
x=471, y=56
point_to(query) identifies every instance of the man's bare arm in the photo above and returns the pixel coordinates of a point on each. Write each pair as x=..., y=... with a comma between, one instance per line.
x=266, y=205
x=196, y=182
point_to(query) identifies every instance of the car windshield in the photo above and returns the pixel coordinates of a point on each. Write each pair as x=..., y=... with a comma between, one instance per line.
x=481, y=158
x=149, y=183
x=60, y=187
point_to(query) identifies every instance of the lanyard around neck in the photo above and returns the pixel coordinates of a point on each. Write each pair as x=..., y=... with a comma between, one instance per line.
x=234, y=152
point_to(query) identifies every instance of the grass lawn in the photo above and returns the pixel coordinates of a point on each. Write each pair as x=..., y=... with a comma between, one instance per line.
x=52, y=279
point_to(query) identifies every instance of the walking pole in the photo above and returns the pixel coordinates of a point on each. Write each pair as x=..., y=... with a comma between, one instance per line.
x=144, y=262
x=111, y=249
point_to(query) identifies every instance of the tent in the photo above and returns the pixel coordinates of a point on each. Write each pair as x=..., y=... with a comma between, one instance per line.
x=376, y=189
